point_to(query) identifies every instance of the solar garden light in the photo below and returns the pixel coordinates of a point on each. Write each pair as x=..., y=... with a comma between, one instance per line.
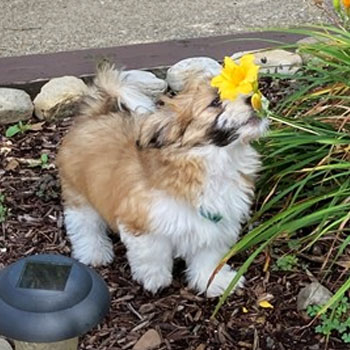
x=47, y=301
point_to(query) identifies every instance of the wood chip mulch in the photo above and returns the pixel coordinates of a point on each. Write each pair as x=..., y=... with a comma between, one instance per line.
x=34, y=224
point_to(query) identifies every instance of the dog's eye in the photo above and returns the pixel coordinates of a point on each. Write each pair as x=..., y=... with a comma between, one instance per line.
x=216, y=102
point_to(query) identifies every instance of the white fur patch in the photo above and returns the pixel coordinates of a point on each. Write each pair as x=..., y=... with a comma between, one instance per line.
x=201, y=242
x=87, y=232
x=201, y=267
x=150, y=258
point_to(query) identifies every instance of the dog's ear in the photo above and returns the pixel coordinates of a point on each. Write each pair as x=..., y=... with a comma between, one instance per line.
x=167, y=127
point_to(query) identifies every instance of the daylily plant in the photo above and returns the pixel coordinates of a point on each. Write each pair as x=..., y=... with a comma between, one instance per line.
x=341, y=10
x=236, y=79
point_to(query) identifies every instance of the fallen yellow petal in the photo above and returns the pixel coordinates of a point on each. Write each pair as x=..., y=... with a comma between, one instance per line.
x=265, y=304
x=244, y=309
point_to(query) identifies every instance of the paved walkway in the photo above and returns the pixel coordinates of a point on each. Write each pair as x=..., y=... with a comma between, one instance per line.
x=38, y=26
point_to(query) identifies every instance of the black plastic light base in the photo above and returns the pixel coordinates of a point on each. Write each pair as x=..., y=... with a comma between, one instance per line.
x=48, y=298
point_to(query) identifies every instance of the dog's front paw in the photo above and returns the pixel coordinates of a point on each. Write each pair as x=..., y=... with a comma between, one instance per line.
x=222, y=281
x=95, y=257
x=153, y=278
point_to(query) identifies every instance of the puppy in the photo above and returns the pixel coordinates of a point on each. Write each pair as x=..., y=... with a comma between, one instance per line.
x=175, y=182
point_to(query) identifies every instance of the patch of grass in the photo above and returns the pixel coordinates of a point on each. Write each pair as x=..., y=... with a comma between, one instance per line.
x=304, y=188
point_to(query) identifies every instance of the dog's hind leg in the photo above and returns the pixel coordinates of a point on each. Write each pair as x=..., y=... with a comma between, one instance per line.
x=87, y=232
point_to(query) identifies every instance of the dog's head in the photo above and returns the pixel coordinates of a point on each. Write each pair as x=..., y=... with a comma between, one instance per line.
x=197, y=117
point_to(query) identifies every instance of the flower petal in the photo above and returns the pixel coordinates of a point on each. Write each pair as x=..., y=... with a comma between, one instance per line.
x=245, y=88
x=229, y=64
x=244, y=309
x=265, y=304
x=217, y=81
x=247, y=60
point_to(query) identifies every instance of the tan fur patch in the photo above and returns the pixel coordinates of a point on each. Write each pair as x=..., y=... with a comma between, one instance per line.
x=116, y=162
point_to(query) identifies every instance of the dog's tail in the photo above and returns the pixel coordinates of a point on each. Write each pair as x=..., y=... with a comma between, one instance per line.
x=111, y=92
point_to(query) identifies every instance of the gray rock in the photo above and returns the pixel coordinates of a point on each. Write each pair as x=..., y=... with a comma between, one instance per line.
x=58, y=98
x=274, y=61
x=315, y=347
x=270, y=343
x=309, y=41
x=178, y=74
x=313, y=294
x=150, y=340
x=4, y=345
x=15, y=105
x=146, y=82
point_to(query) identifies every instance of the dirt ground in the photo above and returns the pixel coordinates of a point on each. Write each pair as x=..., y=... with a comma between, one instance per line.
x=35, y=224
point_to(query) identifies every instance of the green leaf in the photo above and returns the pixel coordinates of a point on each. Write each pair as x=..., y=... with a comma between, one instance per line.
x=346, y=337
x=44, y=159
x=12, y=131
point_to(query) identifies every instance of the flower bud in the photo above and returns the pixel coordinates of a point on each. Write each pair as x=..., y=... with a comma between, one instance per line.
x=256, y=101
x=336, y=5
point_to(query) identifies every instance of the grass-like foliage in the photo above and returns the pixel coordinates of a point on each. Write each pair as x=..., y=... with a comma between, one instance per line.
x=3, y=208
x=304, y=187
x=335, y=320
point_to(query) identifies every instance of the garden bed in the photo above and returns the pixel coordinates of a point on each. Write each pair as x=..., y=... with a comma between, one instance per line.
x=34, y=224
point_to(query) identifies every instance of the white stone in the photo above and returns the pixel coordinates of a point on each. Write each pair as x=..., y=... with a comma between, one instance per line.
x=58, y=97
x=145, y=82
x=178, y=74
x=274, y=61
x=4, y=345
x=313, y=294
x=15, y=105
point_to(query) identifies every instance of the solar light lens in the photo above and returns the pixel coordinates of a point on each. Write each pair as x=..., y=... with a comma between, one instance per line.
x=48, y=276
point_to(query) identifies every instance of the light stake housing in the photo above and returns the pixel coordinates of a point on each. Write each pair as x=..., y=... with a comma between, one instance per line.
x=47, y=301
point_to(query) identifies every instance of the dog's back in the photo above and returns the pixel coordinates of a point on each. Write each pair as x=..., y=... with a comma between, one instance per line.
x=97, y=161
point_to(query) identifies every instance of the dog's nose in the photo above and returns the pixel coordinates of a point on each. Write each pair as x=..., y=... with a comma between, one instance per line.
x=248, y=100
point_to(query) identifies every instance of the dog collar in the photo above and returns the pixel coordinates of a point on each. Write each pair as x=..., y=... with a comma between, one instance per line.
x=213, y=217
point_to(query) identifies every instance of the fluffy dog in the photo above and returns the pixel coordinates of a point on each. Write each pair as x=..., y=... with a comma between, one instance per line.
x=176, y=182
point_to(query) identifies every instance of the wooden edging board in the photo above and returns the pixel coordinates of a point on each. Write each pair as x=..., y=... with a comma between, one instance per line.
x=32, y=71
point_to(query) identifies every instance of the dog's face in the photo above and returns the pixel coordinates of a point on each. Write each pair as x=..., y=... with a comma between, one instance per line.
x=197, y=117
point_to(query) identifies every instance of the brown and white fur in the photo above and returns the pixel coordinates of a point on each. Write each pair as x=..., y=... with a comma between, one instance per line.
x=151, y=177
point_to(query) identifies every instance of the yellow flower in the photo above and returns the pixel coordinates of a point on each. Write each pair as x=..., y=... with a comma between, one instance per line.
x=346, y=3
x=236, y=79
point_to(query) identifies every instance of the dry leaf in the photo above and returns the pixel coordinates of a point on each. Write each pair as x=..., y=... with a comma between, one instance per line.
x=5, y=150
x=37, y=126
x=244, y=309
x=12, y=165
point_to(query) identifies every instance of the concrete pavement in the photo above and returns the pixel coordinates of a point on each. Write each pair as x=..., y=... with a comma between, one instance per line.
x=41, y=26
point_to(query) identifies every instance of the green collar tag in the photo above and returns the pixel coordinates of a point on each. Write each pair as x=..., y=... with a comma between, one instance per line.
x=210, y=216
